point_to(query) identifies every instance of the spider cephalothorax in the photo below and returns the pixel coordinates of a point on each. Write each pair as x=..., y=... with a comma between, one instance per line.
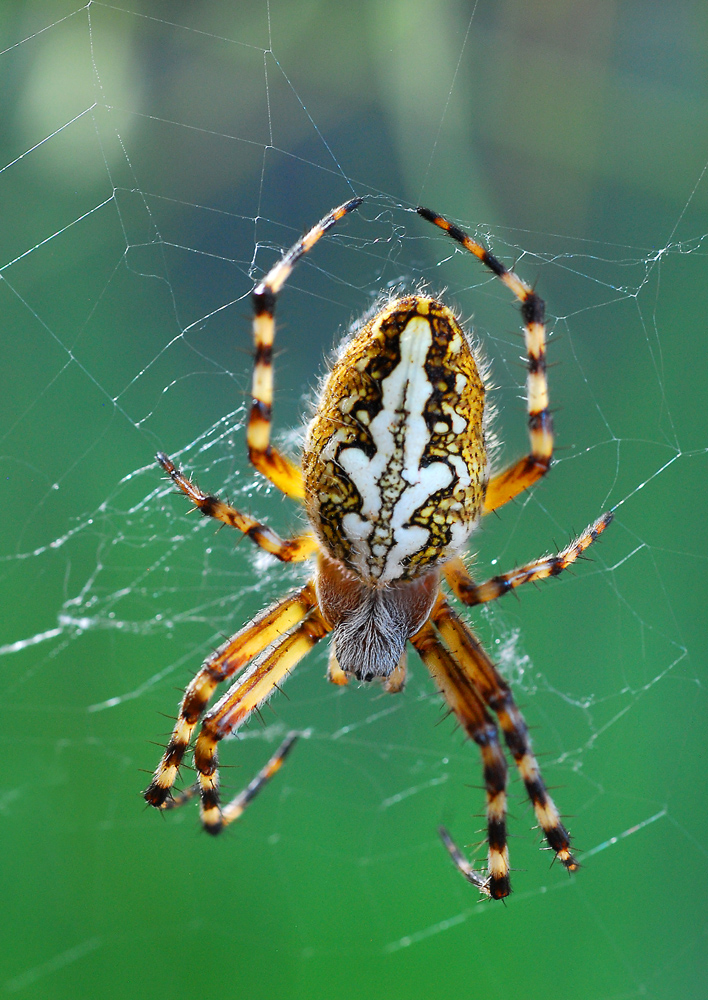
x=394, y=479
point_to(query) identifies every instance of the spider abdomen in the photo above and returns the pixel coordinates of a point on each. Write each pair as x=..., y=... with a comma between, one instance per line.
x=394, y=462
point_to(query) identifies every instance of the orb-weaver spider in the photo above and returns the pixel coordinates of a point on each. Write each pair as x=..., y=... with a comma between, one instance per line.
x=394, y=479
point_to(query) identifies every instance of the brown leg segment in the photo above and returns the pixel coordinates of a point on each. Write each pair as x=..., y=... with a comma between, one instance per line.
x=523, y=474
x=287, y=550
x=243, y=698
x=482, y=673
x=335, y=674
x=274, y=466
x=471, y=593
x=396, y=681
x=462, y=697
x=237, y=806
x=267, y=628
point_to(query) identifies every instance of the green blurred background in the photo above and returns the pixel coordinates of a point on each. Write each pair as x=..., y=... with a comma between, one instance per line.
x=156, y=158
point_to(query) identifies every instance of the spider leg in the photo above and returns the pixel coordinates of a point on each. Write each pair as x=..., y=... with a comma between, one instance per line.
x=265, y=629
x=396, y=681
x=471, y=593
x=243, y=698
x=294, y=549
x=460, y=692
x=461, y=863
x=271, y=463
x=237, y=805
x=524, y=473
x=335, y=674
x=481, y=672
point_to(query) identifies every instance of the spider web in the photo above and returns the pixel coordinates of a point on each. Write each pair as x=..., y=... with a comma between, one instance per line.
x=155, y=163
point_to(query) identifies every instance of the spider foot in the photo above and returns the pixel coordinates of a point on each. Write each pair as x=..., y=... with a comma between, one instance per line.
x=158, y=795
x=159, y=791
x=496, y=885
x=567, y=860
x=556, y=835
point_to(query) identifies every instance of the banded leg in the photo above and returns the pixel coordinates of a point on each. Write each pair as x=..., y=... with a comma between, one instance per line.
x=524, y=473
x=477, y=666
x=460, y=694
x=237, y=806
x=287, y=550
x=471, y=593
x=271, y=463
x=265, y=629
x=243, y=698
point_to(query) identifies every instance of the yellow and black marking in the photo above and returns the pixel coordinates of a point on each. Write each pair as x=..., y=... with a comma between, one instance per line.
x=243, y=698
x=450, y=357
x=236, y=807
x=464, y=700
x=517, y=739
x=471, y=593
x=453, y=415
x=267, y=628
x=448, y=393
x=287, y=550
x=481, y=673
x=270, y=462
x=524, y=473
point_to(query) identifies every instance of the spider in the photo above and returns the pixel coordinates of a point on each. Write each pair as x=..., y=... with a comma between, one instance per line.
x=394, y=479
